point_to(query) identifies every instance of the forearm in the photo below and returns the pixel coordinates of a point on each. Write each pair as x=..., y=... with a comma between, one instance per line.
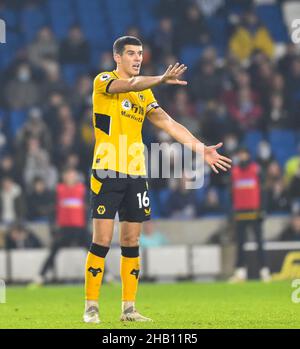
x=140, y=83
x=182, y=135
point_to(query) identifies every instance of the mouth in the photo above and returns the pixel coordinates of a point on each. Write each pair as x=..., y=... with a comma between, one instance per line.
x=136, y=66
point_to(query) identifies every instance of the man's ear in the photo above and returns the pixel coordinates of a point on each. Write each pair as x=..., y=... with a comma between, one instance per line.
x=117, y=58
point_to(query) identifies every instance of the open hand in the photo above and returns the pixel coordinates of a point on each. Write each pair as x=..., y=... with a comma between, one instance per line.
x=172, y=74
x=215, y=160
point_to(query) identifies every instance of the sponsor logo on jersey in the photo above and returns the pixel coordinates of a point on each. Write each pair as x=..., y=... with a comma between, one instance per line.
x=104, y=77
x=126, y=104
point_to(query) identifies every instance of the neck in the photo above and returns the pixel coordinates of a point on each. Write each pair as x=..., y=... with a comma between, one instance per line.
x=122, y=74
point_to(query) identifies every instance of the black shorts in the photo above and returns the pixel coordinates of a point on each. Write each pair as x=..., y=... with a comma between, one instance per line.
x=127, y=196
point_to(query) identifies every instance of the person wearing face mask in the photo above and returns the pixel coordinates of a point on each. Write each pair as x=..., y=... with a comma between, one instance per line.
x=22, y=92
x=247, y=212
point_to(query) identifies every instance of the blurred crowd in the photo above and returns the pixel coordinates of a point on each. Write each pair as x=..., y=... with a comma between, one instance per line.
x=46, y=110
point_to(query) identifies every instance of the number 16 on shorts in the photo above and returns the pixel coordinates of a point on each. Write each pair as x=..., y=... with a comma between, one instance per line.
x=143, y=199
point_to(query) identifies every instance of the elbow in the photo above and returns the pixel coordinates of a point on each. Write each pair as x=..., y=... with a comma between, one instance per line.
x=133, y=85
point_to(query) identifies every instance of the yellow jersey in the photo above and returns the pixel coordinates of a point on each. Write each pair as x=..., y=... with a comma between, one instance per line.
x=118, y=119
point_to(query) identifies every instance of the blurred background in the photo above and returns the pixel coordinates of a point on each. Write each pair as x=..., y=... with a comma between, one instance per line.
x=244, y=90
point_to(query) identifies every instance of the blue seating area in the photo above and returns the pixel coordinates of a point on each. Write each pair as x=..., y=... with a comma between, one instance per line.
x=31, y=20
x=271, y=16
x=284, y=144
x=251, y=141
x=16, y=119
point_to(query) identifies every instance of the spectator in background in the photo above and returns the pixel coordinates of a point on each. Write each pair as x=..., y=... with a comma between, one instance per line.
x=211, y=204
x=53, y=81
x=151, y=237
x=182, y=202
x=70, y=218
x=37, y=164
x=249, y=36
x=75, y=48
x=18, y=237
x=277, y=115
x=192, y=28
x=207, y=76
x=292, y=231
x=34, y=127
x=293, y=91
x=4, y=142
x=231, y=143
x=67, y=143
x=264, y=157
x=22, y=91
x=163, y=40
x=247, y=210
x=8, y=168
x=82, y=95
x=215, y=122
x=183, y=111
x=45, y=46
x=291, y=167
x=40, y=202
x=246, y=112
x=263, y=81
x=12, y=205
x=294, y=189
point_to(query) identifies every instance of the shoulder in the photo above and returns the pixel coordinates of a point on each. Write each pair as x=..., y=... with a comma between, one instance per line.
x=104, y=76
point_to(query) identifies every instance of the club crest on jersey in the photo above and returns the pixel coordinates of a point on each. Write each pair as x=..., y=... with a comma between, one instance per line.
x=126, y=104
x=104, y=77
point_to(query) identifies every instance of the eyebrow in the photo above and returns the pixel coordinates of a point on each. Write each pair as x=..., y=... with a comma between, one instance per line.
x=129, y=51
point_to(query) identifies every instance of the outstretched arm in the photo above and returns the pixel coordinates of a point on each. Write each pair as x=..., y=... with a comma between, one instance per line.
x=141, y=83
x=164, y=121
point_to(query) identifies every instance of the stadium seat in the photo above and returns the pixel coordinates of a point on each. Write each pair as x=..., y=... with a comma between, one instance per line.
x=10, y=18
x=90, y=18
x=218, y=28
x=271, y=16
x=62, y=16
x=283, y=144
x=32, y=19
x=155, y=204
x=164, y=195
x=145, y=20
x=17, y=118
x=251, y=141
x=121, y=16
x=190, y=55
x=71, y=72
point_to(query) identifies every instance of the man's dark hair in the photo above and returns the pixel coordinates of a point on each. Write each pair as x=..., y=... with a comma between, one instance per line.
x=119, y=44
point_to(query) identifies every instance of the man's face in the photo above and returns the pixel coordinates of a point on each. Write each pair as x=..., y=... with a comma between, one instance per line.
x=131, y=59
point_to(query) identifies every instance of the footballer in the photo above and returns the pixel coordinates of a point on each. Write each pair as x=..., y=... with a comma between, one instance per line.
x=121, y=101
